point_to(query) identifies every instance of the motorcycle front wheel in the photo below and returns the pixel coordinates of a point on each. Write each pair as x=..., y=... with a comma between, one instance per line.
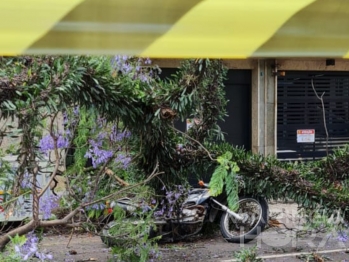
x=254, y=212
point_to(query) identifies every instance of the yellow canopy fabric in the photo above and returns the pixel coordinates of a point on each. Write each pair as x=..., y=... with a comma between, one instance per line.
x=176, y=28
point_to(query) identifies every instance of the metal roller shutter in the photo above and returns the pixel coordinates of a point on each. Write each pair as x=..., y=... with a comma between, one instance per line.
x=299, y=108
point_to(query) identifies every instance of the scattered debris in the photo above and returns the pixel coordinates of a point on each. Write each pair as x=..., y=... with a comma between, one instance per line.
x=72, y=252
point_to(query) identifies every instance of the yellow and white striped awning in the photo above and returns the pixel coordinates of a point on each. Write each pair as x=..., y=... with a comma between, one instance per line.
x=176, y=28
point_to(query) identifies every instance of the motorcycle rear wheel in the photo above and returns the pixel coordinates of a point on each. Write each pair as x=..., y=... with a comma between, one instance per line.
x=255, y=216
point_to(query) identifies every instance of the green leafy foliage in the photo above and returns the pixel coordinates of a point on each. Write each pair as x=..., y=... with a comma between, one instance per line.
x=319, y=193
x=36, y=90
x=247, y=255
x=130, y=236
x=147, y=108
x=85, y=121
x=7, y=177
x=10, y=254
x=22, y=248
x=312, y=190
x=225, y=176
x=217, y=180
x=232, y=191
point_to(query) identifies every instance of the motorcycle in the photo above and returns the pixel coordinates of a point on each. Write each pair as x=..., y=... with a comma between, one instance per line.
x=239, y=226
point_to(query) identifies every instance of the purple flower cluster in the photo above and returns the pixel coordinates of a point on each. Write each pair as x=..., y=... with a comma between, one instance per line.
x=117, y=136
x=133, y=67
x=147, y=61
x=47, y=204
x=171, y=201
x=65, y=118
x=122, y=63
x=46, y=143
x=26, y=181
x=76, y=110
x=154, y=254
x=30, y=248
x=123, y=160
x=98, y=155
x=101, y=135
x=70, y=121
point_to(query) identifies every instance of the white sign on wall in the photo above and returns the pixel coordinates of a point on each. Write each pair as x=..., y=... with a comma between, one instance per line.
x=305, y=135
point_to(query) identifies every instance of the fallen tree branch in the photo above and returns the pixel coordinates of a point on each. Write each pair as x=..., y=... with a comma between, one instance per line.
x=118, y=179
x=194, y=140
x=22, y=230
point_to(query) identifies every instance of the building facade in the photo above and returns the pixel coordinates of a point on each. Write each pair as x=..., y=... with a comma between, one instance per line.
x=271, y=99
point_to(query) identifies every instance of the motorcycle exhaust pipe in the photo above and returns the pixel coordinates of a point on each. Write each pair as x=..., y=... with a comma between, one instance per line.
x=225, y=208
